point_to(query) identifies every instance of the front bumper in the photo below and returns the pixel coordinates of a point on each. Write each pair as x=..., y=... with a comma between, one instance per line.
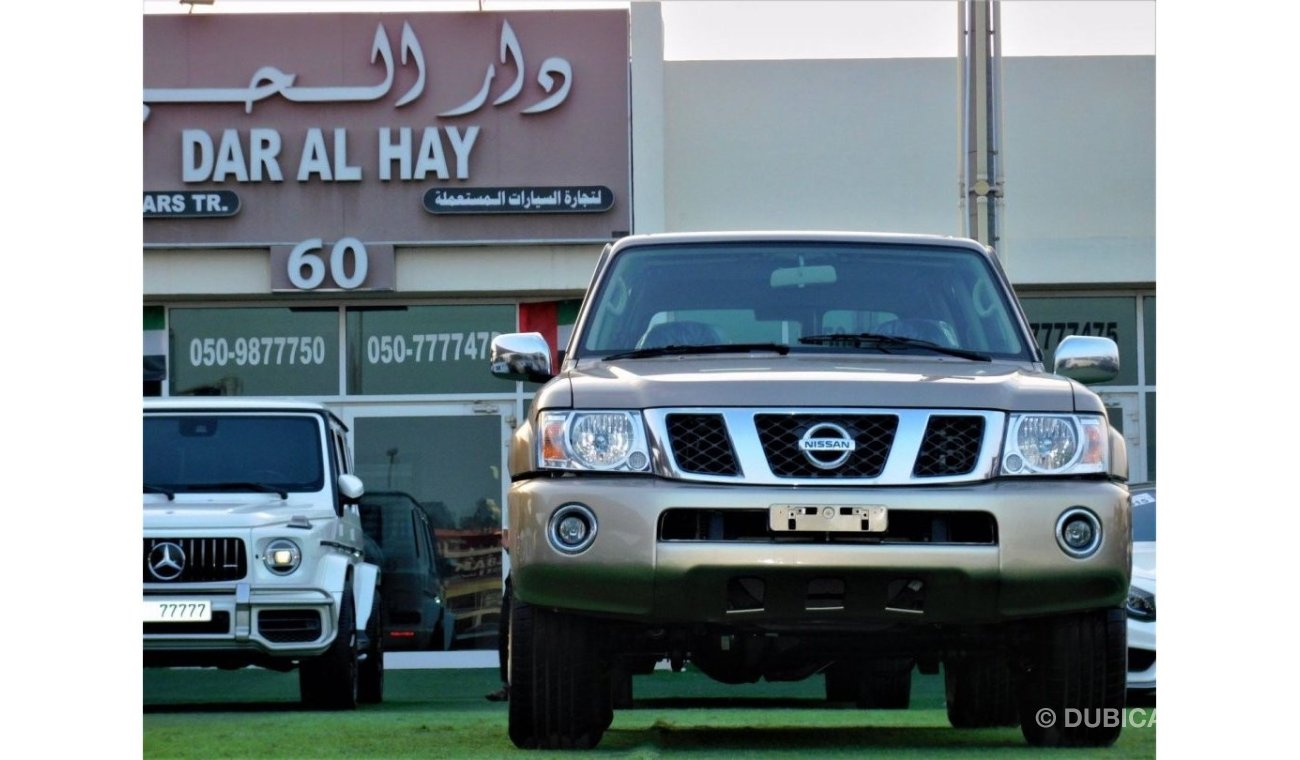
x=629, y=573
x=248, y=624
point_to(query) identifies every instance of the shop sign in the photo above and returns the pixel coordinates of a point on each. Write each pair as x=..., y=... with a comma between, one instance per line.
x=190, y=204
x=276, y=129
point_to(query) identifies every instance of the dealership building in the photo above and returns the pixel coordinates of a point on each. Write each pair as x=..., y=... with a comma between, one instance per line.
x=347, y=207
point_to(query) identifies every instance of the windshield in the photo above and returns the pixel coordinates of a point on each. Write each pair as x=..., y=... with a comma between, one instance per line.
x=797, y=294
x=207, y=452
x=1144, y=515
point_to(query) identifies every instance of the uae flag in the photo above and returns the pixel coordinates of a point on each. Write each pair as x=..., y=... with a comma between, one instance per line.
x=155, y=344
x=553, y=319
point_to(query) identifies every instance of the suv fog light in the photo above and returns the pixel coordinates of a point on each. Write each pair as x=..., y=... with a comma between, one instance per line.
x=572, y=528
x=282, y=556
x=1078, y=532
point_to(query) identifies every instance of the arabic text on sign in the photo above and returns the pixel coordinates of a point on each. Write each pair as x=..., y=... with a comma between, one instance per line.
x=269, y=81
x=519, y=200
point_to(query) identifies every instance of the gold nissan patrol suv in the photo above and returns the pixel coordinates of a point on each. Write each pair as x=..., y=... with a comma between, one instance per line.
x=837, y=455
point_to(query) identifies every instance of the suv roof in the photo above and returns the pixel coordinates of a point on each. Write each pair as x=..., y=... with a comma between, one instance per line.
x=825, y=236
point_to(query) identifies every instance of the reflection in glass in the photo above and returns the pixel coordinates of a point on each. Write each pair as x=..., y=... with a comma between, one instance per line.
x=450, y=467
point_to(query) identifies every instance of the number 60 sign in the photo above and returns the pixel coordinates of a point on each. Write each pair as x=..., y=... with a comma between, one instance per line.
x=346, y=264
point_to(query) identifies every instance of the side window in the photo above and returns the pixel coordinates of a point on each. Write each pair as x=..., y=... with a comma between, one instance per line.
x=341, y=452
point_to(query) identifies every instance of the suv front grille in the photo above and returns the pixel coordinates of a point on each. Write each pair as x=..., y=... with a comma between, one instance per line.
x=872, y=435
x=701, y=445
x=811, y=446
x=951, y=446
x=194, y=560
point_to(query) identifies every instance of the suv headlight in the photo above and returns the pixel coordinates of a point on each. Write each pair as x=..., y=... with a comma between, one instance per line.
x=593, y=440
x=282, y=556
x=1055, y=444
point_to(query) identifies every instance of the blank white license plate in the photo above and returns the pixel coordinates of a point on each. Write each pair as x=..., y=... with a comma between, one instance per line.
x=834, y=518
x=178, y=611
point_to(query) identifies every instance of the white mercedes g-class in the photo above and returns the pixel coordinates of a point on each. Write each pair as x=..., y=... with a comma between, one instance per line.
x=253, y=548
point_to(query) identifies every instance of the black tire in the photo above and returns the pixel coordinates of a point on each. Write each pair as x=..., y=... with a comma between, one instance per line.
x=980, y=692
x=887, y=685
x=559, y=682
x=370, y=674
x=842, y=681
x=620, y=687
x=1075, y=680
x=329, y=681
x=877, y=685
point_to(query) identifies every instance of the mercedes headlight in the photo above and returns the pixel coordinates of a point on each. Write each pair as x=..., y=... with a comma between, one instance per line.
x=1141, y=604
x=1055, y=444
x=282, y=556
x=593, y=440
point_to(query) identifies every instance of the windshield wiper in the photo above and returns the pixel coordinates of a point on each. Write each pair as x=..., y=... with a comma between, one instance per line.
x=712, y=348
x=238, y=486
x=171, y=495
x=884, y=342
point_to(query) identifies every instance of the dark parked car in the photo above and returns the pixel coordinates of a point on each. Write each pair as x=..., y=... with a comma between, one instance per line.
x=415, y=613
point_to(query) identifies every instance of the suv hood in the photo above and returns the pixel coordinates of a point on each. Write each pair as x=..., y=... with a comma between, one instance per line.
x=821, y=380
x=198, y=512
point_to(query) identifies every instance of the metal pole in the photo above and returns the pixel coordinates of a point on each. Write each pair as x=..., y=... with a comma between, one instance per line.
x=981, y=129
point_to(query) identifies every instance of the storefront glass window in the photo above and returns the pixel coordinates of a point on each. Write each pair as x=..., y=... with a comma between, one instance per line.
x=254, y=352
x=448, y=466
x=1149, y=336
x=424, y=349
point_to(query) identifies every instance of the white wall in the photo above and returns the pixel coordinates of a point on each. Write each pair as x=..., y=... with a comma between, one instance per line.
x=856, y=144
x=1079, y=148
x=873, y=144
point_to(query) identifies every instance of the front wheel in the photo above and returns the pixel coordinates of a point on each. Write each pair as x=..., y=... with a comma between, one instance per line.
x=329, y=681
x=370, y=676
x=980, y=692
x=559, y=680
x=1072, y=690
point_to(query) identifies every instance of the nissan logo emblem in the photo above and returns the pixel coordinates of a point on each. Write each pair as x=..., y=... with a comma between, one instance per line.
x=827, y=445
x=166, y=561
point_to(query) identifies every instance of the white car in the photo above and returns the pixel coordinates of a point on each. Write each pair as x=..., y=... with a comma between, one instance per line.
x=1142, y=592
x=253, y=549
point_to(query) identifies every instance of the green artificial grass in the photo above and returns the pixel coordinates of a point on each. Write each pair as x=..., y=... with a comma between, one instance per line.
x=435, y=714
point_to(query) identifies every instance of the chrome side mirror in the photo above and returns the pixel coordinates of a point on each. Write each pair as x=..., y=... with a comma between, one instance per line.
x=1088, y=359
x=521, y=356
